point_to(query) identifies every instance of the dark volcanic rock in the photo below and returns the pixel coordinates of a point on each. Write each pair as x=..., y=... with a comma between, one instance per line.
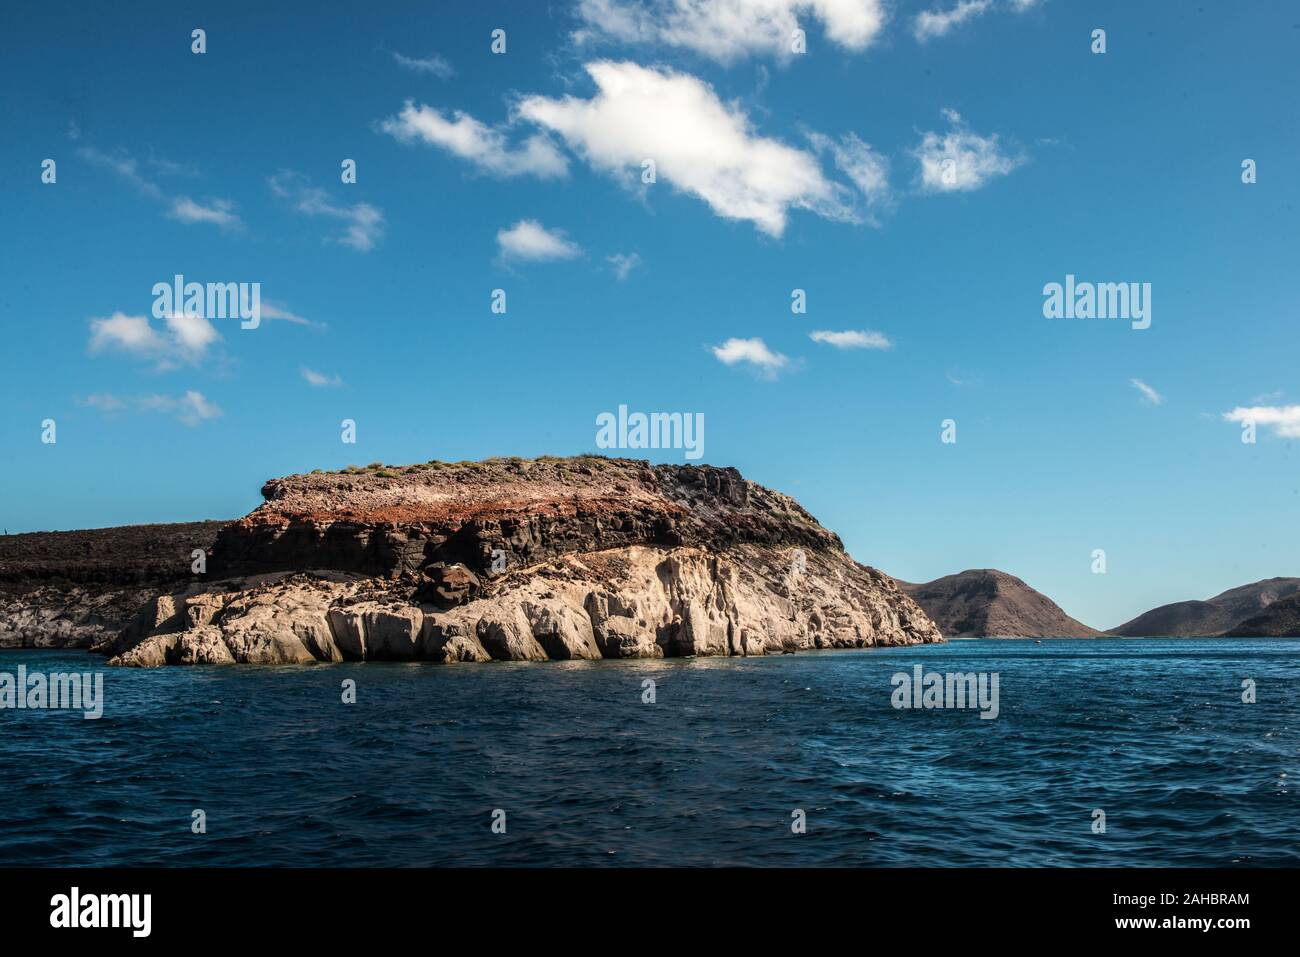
x=128, y=555
x=987, y=603
x=448, y=585
x=76, y=589
x=525, y=511
x=1281, y=619
x=1220, y=615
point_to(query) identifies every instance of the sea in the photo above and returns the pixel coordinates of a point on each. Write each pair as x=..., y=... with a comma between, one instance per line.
x=1110, y=752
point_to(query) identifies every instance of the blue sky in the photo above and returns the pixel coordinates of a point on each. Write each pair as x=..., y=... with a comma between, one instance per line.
x=775, y=171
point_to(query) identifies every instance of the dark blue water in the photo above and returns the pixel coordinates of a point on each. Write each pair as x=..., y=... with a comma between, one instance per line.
x=1152, y=732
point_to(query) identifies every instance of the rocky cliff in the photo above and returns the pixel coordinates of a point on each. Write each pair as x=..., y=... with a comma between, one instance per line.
x=389, y=522
x=987, y=603
x=514, y=559
x=76, y=589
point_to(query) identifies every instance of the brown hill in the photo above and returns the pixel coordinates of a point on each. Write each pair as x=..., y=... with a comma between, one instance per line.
x=987, y=603
x=1281, y=619
x=1220, y=615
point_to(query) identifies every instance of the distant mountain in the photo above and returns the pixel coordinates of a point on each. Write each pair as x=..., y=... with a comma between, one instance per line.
x=987, y=603
x=1279, y=620
x=1248, y=607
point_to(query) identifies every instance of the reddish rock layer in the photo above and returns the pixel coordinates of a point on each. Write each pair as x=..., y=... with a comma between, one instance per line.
x=387, y=522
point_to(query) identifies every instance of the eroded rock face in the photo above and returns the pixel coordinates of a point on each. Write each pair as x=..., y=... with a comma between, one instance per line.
x=78, y=589
x=507, y=559
x=515, y=512
x=66, y=616
x=635, y=602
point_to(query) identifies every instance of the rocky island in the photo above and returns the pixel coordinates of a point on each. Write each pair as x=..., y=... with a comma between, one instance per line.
x=505, y=559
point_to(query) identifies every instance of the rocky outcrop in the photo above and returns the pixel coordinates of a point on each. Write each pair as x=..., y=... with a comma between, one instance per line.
x=511, y=512
x=633, y=602
x=506, y=559
x=66, y=616
x=1244, y=610
x=522, y=561
x=78, y=589
x=987, y=603
x=127, y=555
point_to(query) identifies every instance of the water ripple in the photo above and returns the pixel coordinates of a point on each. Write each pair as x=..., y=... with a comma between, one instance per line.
x=1151, y=732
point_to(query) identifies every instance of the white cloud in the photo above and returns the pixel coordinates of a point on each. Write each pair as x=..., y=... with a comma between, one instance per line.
x=128, y=333
x=191, y=408
x=320, y=379
x=105, y=402
x=698, y=144
x=434, y=64
x=726, y=30
x=961, y=160
x=180, y=208
x=363, y=224
x=1285, y=419
x=192, y=334
x=623, y=263
x=866, y=168
x=184, y=338
x=274, y=311
x=194, y=408
x=123, y=165
x=530, y=240
x=485, y=147
x=170, y=167
x=219, y=211
x=936, y=23
x=753, y=352
x=852, y=339
x=1149, y=395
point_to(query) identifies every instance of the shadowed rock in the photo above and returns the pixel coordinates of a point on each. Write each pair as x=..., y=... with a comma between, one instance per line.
x=448, y=585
